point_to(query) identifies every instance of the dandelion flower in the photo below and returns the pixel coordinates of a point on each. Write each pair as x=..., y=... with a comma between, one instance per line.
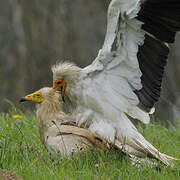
x=17, y=116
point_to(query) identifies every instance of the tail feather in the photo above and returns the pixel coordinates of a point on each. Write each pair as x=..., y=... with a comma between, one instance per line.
x=139, y=114
x=151, y=151
x=141, y=148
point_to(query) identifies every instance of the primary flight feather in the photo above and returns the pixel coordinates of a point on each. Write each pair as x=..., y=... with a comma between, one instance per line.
x=125, y=78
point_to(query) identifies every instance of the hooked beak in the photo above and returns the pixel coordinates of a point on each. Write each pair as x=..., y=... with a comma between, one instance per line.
x=26, y=98
x=22, y=99
x=34, y=97
x=62, y=85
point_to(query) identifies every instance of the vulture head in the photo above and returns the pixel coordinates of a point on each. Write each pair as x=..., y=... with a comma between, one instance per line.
x=63, y=74
x=45, y=94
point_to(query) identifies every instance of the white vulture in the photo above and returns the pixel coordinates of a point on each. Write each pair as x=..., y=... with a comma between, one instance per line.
x=125, y=79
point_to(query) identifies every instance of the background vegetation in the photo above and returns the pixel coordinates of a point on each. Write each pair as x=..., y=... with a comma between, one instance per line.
x=21, y=151
x=35, y=34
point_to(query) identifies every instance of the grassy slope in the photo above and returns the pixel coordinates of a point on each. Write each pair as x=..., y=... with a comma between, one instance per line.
x=22, y=152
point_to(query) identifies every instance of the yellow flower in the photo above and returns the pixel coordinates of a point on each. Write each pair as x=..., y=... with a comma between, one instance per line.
x=17, y=116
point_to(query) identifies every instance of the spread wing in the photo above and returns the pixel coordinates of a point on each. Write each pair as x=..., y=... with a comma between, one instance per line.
x=136, y=49
x=161, y=20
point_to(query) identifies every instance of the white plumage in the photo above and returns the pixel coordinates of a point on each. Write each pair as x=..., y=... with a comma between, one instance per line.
x=109, y=90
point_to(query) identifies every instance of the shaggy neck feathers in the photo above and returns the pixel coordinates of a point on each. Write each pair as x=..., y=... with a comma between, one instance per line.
x=49, y=107
x=48, y=111
x=65, y=70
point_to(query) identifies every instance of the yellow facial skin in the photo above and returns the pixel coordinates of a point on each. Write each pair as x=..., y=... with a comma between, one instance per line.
x=34, y=97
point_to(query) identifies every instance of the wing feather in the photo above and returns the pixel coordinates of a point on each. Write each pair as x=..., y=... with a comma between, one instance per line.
x=161, y=18
x=127, y=73
x=133, y=49
x=152, y=57
x=141, y=59
x=120, y=75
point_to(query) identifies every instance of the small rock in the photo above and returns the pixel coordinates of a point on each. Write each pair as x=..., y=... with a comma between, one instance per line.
x=9, y=175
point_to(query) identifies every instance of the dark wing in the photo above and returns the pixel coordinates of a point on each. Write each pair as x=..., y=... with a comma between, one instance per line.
x=161, y=20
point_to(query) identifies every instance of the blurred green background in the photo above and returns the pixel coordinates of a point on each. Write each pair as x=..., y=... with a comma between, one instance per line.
x=36, y=34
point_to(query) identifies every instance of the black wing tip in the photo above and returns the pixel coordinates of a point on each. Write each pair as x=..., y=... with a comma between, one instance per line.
x=161, y=18
x=152, y=58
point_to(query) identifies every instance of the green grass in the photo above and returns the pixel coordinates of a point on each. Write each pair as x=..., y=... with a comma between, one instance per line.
x=21, y=151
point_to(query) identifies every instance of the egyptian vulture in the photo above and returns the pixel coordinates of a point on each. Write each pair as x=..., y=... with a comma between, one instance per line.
x=125, y=78
x=58, y=137
x=55, y=134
